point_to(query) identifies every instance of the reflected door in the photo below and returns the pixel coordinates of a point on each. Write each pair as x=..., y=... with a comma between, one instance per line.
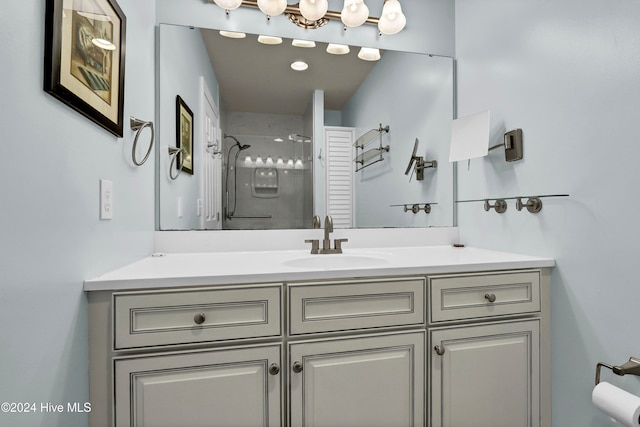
x=210, y=203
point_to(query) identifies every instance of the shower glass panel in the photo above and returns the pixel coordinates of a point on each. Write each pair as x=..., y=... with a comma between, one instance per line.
x=267, y=182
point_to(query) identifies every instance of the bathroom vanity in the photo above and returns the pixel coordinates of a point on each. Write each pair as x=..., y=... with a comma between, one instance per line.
x=421, y=336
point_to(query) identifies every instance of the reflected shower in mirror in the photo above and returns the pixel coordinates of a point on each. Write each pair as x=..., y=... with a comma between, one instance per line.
x=261, y=159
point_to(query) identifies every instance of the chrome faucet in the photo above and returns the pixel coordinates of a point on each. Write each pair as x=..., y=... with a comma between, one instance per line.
x=326, y=242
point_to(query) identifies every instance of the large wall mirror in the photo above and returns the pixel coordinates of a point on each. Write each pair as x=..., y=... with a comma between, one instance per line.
x=268, y=140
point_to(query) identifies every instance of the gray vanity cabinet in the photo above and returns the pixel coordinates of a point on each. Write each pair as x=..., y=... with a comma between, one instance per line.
x=489, y=350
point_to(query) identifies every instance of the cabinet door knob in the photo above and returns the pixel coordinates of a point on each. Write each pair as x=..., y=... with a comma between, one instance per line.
x=274, y=369
x=490, y=297
x=439, y=350
x=199, y=318
x=297, y=367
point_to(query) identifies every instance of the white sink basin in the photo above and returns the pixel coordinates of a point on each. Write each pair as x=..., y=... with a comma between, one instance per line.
x=331, y=261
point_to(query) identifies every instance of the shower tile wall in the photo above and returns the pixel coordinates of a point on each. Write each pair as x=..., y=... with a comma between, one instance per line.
x=288, y=205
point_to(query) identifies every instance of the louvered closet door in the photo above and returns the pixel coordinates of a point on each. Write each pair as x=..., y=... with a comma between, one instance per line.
x=339, y=176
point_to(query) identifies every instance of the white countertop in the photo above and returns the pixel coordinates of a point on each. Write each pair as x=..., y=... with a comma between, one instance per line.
x=196, y=269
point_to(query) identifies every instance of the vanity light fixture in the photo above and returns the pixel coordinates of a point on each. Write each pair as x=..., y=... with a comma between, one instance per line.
x=337, y=49
x=272, y=40
x=248, y=160
x=312, y=14
x=232, y=34
x=369, y=54
x=299, y=65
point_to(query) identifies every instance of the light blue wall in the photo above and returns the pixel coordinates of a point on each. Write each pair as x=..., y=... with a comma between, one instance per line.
x=50, y=236
x=180, y=72
x=567, y=74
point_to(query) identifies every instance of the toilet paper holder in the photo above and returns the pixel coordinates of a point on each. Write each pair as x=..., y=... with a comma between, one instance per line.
x=632, y=367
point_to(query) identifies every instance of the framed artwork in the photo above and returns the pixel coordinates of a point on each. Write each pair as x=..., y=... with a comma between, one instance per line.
x=184, y=135
x=84, y=58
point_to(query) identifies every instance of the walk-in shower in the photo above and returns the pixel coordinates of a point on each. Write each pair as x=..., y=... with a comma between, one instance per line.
x=269, y=186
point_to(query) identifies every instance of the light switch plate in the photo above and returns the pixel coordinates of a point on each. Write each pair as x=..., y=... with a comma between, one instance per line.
x=106, y=199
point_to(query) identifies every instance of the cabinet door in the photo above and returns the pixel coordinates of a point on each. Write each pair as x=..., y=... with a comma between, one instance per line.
x=356, y=382
x=486, y=376
x=225, y=388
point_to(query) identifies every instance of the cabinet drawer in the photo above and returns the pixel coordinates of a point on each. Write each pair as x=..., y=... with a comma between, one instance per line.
x=337, y=306
x=144, y=319
x=483, y=295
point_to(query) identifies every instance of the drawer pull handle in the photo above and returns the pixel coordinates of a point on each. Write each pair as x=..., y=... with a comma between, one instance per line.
x=297, y=367
x=199, y=318
x=439, y=350
x=490, y=297
x=274, y=369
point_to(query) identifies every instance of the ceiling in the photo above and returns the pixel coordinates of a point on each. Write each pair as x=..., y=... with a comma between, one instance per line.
x=254, y=77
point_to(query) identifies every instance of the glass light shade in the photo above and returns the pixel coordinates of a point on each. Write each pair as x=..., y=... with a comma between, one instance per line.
x=369, y=54
x=313, y=9
x=290, y=163
x=269, y=39
x=103, y=44
x=392, y=20
x=337, y=49
x=259, y=161
x=269, y=162
x=354, y=13
x=272, y=7
x=248, y=160
x=298, y=164
x=228, y=4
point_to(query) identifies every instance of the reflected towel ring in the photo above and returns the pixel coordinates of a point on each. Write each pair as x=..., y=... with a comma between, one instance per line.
x=174, y=152
x=138, y=125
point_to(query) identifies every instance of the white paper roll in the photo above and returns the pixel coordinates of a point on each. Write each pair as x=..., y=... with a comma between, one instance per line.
x=620, y=405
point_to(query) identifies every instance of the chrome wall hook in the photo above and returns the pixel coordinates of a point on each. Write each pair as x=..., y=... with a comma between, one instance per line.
x=138, y=126
x=500, y=206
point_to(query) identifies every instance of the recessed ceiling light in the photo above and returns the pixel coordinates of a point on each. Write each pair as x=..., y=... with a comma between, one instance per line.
x=299, y=65
x=232, y=34
x=338, y=49
x=369, y=54
x=269, y=39
x=303, y=43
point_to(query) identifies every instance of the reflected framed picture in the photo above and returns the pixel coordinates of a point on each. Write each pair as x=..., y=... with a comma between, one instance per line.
x=184, y=135
x=84, y=58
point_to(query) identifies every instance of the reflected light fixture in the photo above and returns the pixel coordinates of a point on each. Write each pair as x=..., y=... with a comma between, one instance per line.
x=272, y=7
x=392, y=20
x=312, y=14
x=228, y=4
x=369, y=54
x=354, y=13
x=269, y=40
x=232, y=34
x=337, y=49
x=303, y=43
x=103, y=44
x=313, y=10
x=299, y=65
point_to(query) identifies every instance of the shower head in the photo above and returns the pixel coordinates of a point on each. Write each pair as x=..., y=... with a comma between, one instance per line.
x=240, y=146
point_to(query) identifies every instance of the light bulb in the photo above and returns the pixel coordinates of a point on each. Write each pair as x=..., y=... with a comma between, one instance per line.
x=392, y=20
x=354, y=13
x=313, y=10
x=272, y=7
x=228, y=4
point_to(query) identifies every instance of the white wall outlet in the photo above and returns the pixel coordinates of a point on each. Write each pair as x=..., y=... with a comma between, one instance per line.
x=106, y=199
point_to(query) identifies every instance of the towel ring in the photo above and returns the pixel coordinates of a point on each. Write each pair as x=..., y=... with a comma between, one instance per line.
x=138, y=125
x=174, y=152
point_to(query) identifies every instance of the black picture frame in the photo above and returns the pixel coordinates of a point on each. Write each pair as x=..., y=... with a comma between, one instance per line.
x=184, y=135
x=84, y=59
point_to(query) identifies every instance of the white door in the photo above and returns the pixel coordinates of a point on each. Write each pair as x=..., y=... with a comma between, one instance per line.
x=371, y=381
x=224, y=388
x=210, y=202
x=486, y=376
x=339, y=172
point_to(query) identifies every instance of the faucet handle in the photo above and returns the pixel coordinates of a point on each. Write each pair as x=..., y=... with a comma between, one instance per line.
x=338, y=244
x=316, y=221
x=315, y=245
